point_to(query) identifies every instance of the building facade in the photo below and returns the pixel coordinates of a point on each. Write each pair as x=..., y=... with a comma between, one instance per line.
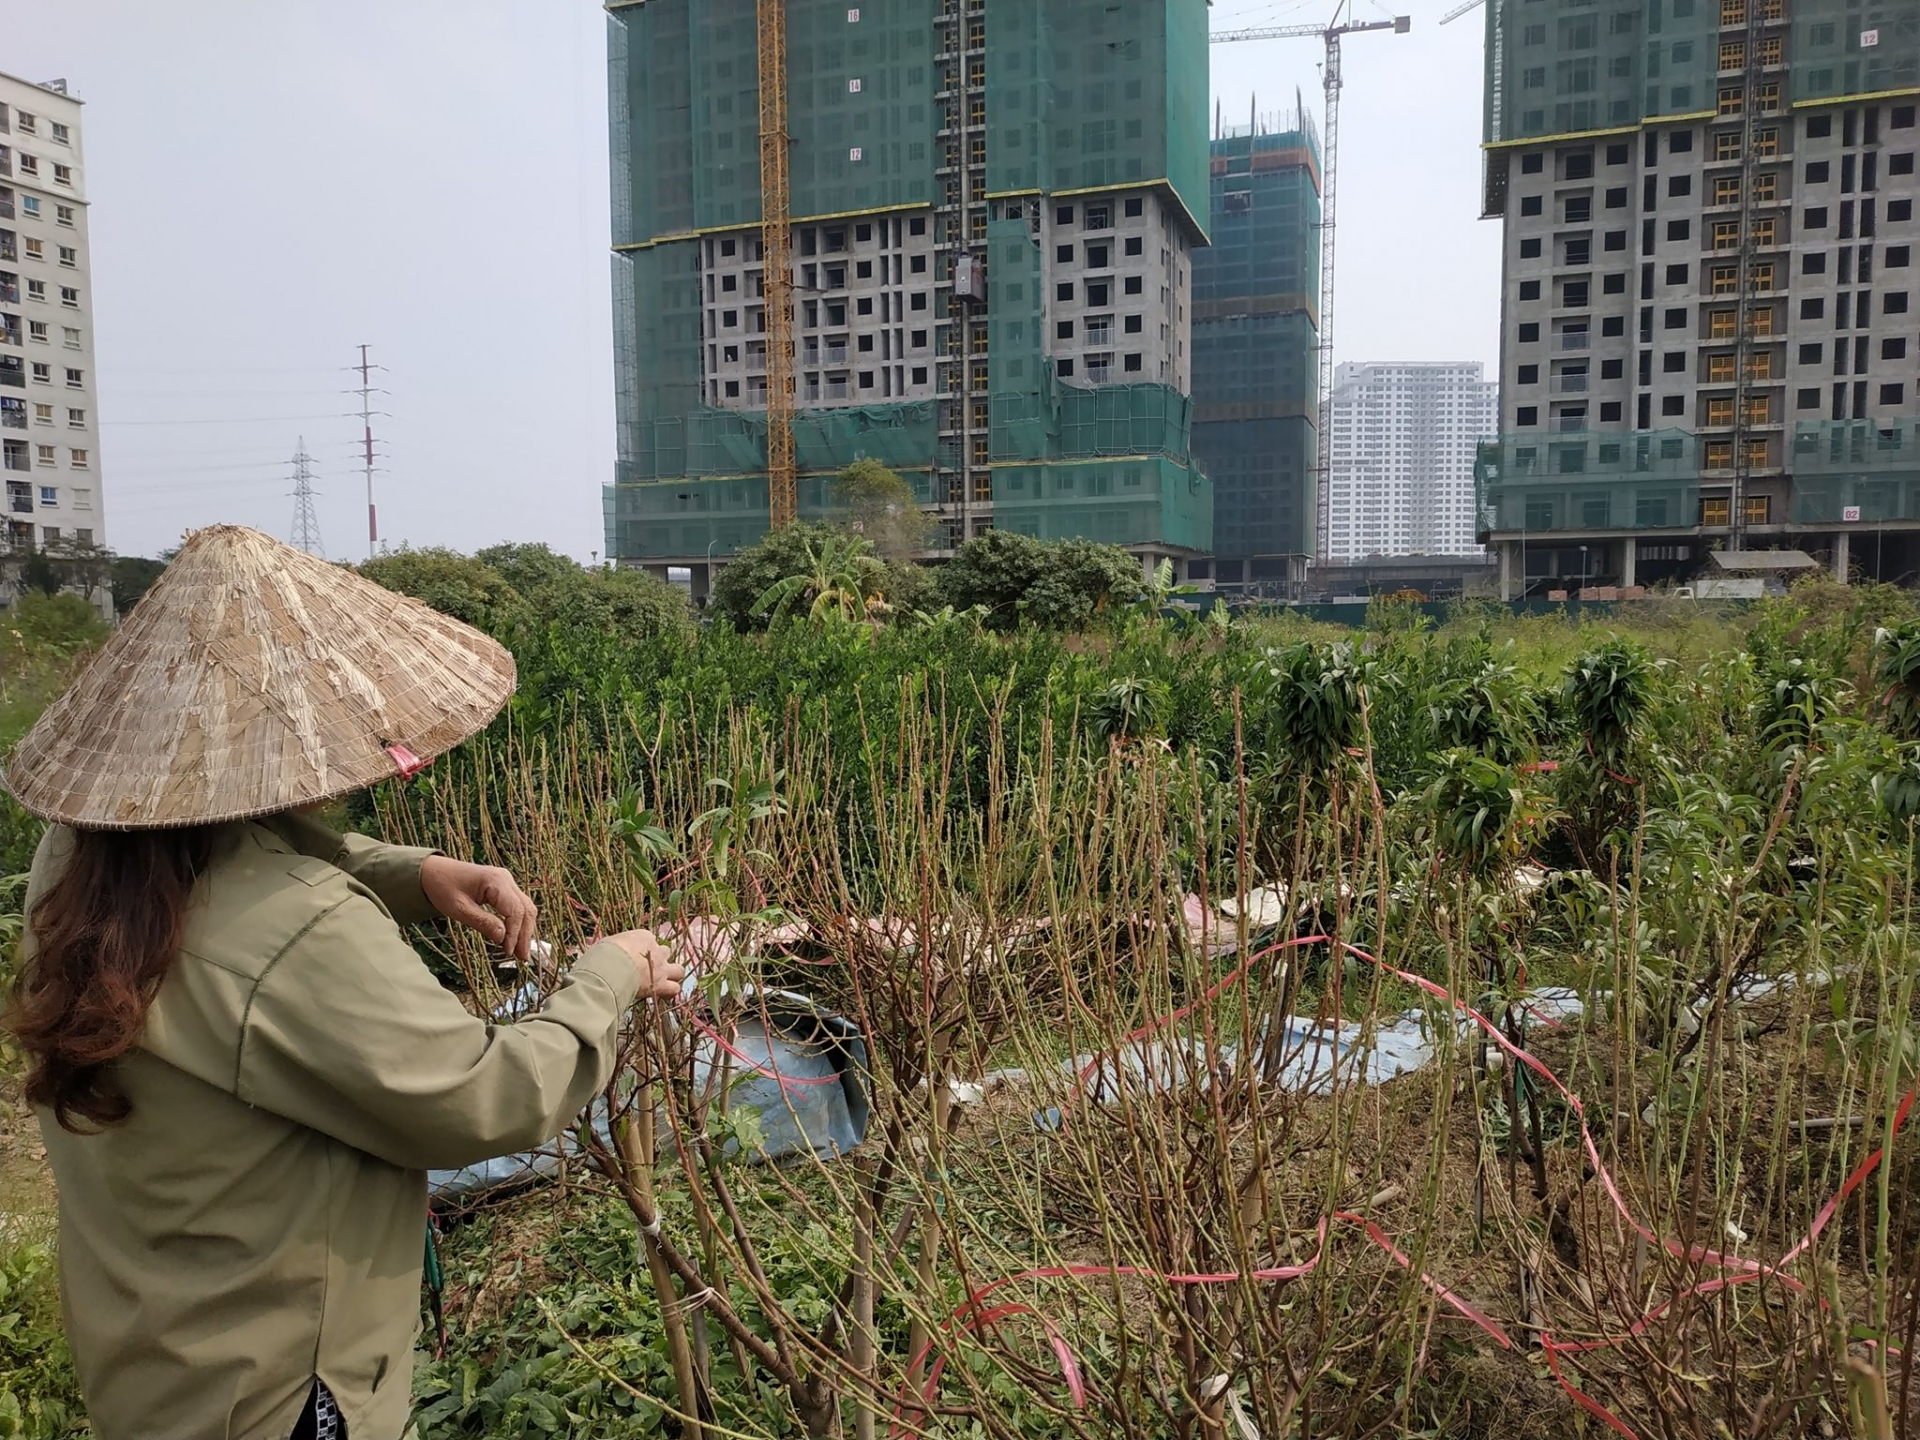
x=1405, y=438
x=1708, y=334
x=995, y=208
x=49, y=418
x=1255, y=348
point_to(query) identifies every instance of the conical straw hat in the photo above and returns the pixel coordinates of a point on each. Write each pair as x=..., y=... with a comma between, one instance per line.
x=251, y=679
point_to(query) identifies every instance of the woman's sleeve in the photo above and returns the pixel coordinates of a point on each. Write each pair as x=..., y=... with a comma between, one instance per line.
x=349, y=1033
x=391, y=872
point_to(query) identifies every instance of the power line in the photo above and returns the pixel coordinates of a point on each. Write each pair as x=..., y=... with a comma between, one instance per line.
x=222, y=370
x=124, y=392
x=306, y=524
x=121, y=472
x=233, y=420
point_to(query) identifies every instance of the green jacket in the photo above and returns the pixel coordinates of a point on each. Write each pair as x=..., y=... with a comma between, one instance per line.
x=258, y=1219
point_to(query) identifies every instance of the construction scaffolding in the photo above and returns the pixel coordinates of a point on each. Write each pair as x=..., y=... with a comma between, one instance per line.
x=1140, y=501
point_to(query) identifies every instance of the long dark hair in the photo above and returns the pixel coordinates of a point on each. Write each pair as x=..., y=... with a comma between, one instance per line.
x=104, y=935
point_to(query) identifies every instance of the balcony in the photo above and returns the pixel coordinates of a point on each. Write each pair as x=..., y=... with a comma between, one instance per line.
x=1568, y=424
x=1570, y=384
x=13, y=417
x=10, y=292
x=6, y=209
x=1575, y=339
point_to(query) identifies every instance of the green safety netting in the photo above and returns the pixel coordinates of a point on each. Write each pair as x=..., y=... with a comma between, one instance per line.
x=1135, y=502
x=1584, y=480
x=1558, y=67
x=685, y=111
x=1089, y=93
x=1255, y=342
x=656, y=348
x=689, y=519
x=710, y=441
x=1872, y=466
x=1081, y=94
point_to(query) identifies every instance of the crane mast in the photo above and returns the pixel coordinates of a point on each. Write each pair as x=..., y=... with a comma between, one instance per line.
x=776, y=239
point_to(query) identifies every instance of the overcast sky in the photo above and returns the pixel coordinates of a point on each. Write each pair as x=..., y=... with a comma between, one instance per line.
x=274, y=184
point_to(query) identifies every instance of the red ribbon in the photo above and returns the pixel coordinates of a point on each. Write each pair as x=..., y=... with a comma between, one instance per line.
x=971, y=1317
x=405, y=761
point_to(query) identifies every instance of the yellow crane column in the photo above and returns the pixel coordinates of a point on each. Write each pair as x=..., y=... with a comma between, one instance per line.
x=777, y=270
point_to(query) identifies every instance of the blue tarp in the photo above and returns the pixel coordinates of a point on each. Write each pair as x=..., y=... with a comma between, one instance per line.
x=822, y=1111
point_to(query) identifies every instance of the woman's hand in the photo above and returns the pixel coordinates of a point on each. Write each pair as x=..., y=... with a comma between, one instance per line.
x=484, y=898
x=660, y=973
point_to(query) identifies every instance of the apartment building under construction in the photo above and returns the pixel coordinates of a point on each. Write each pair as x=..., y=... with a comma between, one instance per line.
x=994, y=206
x=1256, y=311
x=1709, y=335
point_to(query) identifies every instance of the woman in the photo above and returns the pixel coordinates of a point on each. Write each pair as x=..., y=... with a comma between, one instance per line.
x=239, y=1066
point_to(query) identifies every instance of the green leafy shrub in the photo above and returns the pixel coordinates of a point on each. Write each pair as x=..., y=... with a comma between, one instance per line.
x=1310, y=704
x=133, y=576
x=1058, y=585
x=875, y=503
x=39, y=1396
x=462, y=586
x=1129, y=709
x=59, y=624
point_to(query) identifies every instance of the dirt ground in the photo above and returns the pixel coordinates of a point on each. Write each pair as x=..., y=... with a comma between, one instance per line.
x=26, y=1184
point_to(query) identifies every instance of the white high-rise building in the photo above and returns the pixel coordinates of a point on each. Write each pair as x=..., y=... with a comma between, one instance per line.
x=1402, y=466
x=49, y=416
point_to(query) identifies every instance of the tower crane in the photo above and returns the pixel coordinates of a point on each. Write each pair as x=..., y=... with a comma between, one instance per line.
x=1331, y=34
x=776, y=271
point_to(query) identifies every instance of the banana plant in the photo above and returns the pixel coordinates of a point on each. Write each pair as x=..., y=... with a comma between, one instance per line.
x=1896, y=676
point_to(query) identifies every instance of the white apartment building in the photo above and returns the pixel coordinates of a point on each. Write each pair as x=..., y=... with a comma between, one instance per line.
x=49, y=416
x=1403, y=444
